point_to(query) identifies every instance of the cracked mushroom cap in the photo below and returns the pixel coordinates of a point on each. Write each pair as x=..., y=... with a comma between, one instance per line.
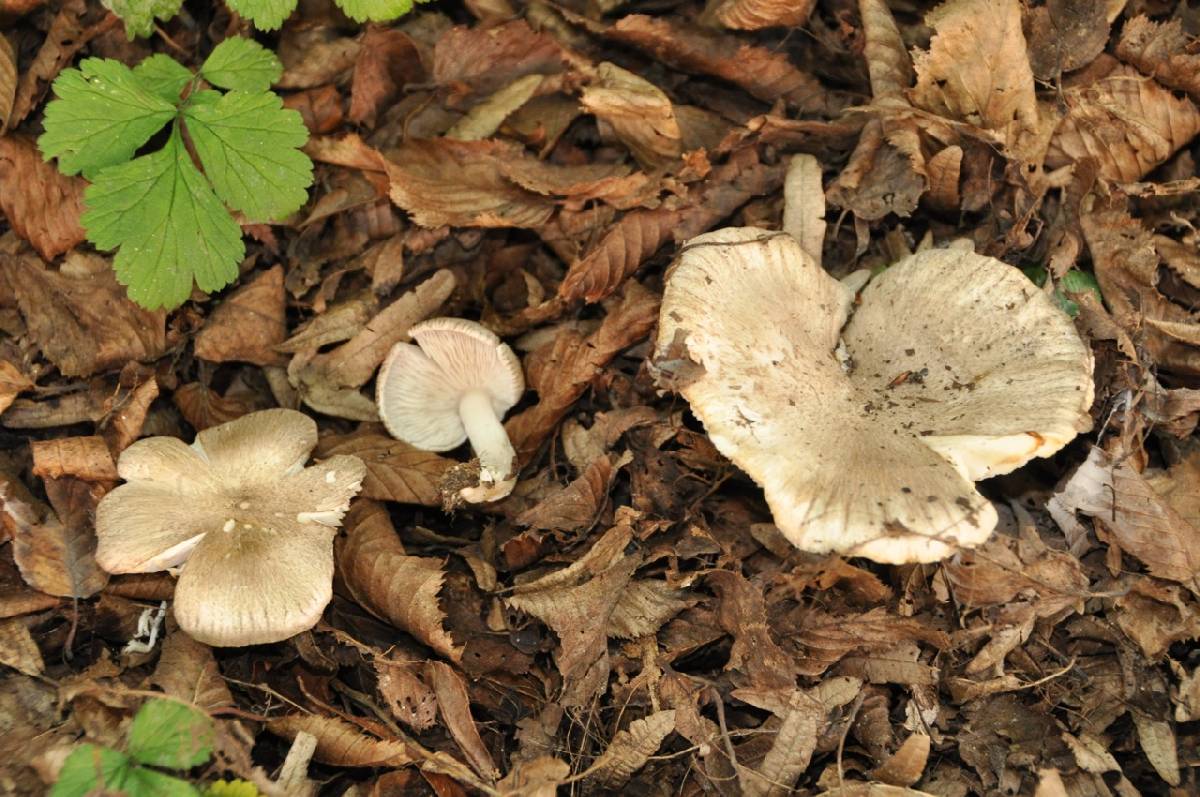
x=420, y=387
x=960, y=368
x=251, y=526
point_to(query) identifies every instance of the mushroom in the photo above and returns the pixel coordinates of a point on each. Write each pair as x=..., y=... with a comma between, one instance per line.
x=959, y=369
x=251, y=527
x=455, y=384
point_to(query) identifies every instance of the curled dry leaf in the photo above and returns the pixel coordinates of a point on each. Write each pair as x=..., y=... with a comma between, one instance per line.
x=1003, y=569
x=55, y=549
x=41, y=203
x=188, y=670
x=8, y=80
x=453, y=703
x=1142, y=522
x=12, y=382
x=341, y=744
x=1126, y=122
x=885, y=173
x=639, y=113
x=396, y=471
x=484, y=59
x=1163, y=51
x=80, y=317
x=826, y=638
x=18, y=650
x=906, y=765
x=399, y=588
x=630, y=749
x=388, y=59
x=410, y=700
x=888, y=61
x=758, y=14
x=976, y=69
x=576, y=506
x=742, y=612
x=562, y=372
x=85, y=458
x=763, y=73
x=202, y=407
x=1065, y=35
x=485, y=119
x=248, y=324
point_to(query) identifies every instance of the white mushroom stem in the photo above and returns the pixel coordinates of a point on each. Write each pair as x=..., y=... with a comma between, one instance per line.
x=488, y=439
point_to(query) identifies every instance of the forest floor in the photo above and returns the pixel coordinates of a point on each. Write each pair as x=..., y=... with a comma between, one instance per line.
x=630, y=620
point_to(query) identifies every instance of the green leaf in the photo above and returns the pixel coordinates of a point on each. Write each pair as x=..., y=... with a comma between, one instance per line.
x=1075, y=281
x=143, y=782
x=249, y=146
x=243, y=64
x=139, y=15
x=169, y=734
x=265, y=14
x=232, y=788
x=164, y=76
x=102, y=115
x=169, y=225
x=90, y=767
x=375, y=10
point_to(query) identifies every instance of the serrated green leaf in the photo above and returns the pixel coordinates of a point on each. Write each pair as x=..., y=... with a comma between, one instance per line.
x=169, y=734
x=242, y=64
x=90, y=767
x=102, y=115
x=265, y=14
x=143, y=782
x=374, y=10
x=169, y=225
x=164, y=76
x=249, y=146
x=139, y=15
x=1075, y=281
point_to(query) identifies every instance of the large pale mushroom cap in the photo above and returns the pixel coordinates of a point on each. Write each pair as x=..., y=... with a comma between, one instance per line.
x=251, y=526
x=420, y=387
x=960, y=369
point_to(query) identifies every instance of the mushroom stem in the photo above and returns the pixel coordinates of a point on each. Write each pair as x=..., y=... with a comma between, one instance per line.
x=488, y=438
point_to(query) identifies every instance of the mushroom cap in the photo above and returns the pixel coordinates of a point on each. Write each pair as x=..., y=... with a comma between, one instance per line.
x=251, y=526
x=870, y=463
x=420, y=386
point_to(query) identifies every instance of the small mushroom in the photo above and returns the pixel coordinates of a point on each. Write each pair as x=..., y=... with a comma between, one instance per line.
x=455, y=384
x=251, y=527
x=958, y=369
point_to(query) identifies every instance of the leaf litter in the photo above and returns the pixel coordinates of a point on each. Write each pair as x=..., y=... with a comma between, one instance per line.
x=628, y=620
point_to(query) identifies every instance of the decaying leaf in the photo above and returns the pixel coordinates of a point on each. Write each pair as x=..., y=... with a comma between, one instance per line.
x=85, y=458
x=1065, y=35
x=454, y=706
x=17, y=648
x=577, y=505
x=639, y=113
x=401, y=589
x=485, y=119
x=1157, y=739
x=484, y=59
x=826, y=638
x=55, y=549
x=631, y=748
x=80, y=316
x=248, y=324
x=395, y=470
x=8, y=80
x=1141, y=521
x=41, y=203
x=341, y=744
x=1163, y=51
x=1126, y=122
x=387, y=60
x=757, y=14
x=1004, y=569
x=644, y=606
x=907, y=764
x=188, y=670
x=742, y=613
x=411, y=701
x=12, y=382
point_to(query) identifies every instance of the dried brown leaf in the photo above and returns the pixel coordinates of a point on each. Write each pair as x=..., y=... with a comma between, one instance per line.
x=583, y=446
x=639, y=113
x=410, y=700
x=66, y=36
x=387, y=60
x=8, y=80
x=764, y=74
x=1002, y=570
x=485, y=119
x=85, y=458
x=16, y=601
x=341, y=744
x=55, y=550
x=18, y=650
x=826, y=638
x=41, y=203
x=453, y=703
x=127, y=408
x=1142, y=522
x=888, y=61
x=387, y=582
x=313, y=55
x=188, y=670
x=742, y=612
x=1157, y=739
x=758, y=14
x=248, y=324
x=885, y=173
x=12, y=382
x=1155, y=616
x=577, y=505
x=1126, y=122
x=804, y=205
x=906, y=765
x=1065, y=35
x=80, y=317
x=396, y=471
x=1163, y=51
x=484, y=59
x=630, y=749
x=539, y=777
x=976, y=69
x=561, y=374
x=644, y=606
x=338, y=323
x=202, y=407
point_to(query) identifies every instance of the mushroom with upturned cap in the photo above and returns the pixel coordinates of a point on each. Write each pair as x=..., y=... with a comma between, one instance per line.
x=454, y=385
x=960, y=369
x=251, y=526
